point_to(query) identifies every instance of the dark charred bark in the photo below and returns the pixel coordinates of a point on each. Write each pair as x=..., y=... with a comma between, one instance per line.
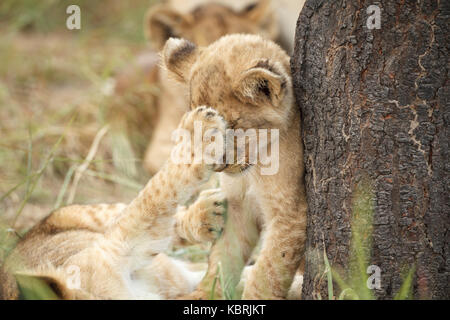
x=375, y=106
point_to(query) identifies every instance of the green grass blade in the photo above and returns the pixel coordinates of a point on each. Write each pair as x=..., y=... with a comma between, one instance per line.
x=405, y=292
x=65, y=186
x=329, y=275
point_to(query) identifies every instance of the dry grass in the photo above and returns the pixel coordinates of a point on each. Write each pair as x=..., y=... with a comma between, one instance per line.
x=54, y=100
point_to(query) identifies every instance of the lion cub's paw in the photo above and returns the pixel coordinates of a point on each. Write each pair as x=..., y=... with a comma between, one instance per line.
x=211, y=124
x=209, y=215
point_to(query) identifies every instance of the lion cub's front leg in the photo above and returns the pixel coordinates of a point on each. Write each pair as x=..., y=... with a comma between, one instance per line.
x=202, y=221
x=176, y=182
x=283, y=246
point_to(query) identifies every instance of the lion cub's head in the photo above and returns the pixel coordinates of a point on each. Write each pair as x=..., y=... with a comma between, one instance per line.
x=209, y=22
x=245, y=77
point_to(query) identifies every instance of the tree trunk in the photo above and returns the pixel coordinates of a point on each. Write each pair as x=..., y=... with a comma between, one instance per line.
x=375, y=108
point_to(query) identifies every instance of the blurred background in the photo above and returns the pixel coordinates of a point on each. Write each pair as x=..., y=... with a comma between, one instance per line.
x=63, y=138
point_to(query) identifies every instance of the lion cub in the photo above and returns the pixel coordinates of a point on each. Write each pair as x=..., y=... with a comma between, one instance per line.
x=247, y=80
x=202, y=25
x=116, y=251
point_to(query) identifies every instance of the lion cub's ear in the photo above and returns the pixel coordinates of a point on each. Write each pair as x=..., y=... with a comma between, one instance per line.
x=178, y=57
x=261, y=84
x=161, y=23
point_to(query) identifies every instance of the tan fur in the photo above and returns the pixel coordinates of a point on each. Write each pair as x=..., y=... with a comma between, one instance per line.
x=196, y=223
x=247, y=79
x=205, y=23
x=119, y=249
x=287, y=12
x=201, y=22
x=201, y=25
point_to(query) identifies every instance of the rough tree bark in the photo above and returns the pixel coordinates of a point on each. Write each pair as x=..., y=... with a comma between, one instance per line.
x=375, y=104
